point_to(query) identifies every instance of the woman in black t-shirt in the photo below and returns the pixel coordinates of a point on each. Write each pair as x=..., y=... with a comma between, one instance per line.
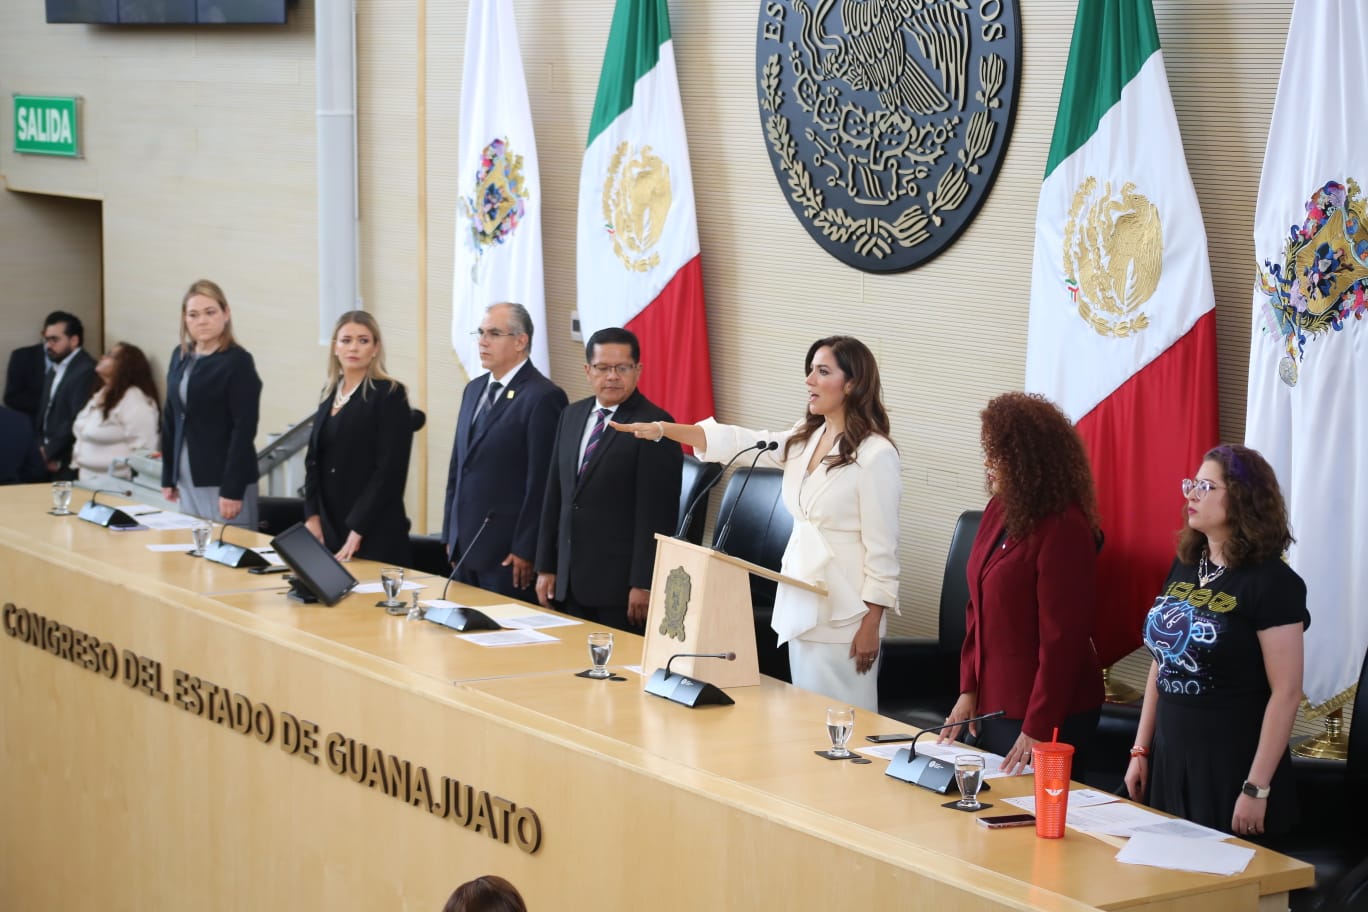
x=1226, y=636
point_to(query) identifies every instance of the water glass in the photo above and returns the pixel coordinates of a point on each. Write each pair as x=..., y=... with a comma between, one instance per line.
x=201, y=532
x=600, y=651
x=392, y=579
x=969, y=778
x=61, y=498
x=840, y=722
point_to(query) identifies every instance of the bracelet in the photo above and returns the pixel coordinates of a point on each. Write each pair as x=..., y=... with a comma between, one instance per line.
x=1139, y=751
x=661, y=428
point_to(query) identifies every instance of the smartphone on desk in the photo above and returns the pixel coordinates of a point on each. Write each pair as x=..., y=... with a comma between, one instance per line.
x=888, y=739
x=1002, y=821
x=261, y=571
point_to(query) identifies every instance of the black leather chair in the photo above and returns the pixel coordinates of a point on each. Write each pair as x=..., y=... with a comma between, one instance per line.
x=276, y=514
x=760, y=529
x=698, y=475
x=1331, y=834
x=919, y=677
x=430, y=556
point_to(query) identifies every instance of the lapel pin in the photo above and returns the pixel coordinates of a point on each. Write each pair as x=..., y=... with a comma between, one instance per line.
x=510, y=394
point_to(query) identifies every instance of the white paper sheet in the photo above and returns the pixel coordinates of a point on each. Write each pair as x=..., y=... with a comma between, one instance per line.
x=1078, y=798
x=182, y=546
x=1177, y=854
x=377, y=588
x=164, y=520
x=943, y=752
x=537, y=620
x=509, y=638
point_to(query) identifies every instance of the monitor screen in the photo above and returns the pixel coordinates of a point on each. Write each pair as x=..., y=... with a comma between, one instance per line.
x=168, y=12
x=313, y=564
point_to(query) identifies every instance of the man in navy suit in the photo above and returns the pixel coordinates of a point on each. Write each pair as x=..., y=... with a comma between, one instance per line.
x=607, y=495
x=504, y=434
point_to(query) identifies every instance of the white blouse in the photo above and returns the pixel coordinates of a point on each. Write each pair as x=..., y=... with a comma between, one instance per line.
x=131, y=425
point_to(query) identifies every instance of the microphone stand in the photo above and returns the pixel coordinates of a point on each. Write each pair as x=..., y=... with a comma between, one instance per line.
x=104, y=514
x=764, y=447
x=687, y=691
x=929, y=772
x=231, y=555
x=460, y=617
x=698, y=498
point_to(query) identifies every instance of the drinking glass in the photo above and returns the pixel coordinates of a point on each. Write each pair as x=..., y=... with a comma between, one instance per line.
x=61, y=498
x=392, y=579
x=969, y=778
x=840, y=725
x=600, y=650
x=201, y=533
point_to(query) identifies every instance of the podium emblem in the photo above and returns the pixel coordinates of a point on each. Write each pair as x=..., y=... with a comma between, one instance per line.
x=678, y=590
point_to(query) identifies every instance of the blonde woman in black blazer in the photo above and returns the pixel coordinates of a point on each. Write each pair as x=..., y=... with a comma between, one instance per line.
x=209, y=425
x=358, y=458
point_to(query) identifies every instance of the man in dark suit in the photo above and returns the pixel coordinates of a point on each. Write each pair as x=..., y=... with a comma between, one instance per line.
x=499, y=461
x=19, y=460
x=24, y=380
x=67, y=386
x=608, y=494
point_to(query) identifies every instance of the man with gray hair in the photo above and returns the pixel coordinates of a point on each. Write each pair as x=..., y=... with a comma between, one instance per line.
x=504, y=434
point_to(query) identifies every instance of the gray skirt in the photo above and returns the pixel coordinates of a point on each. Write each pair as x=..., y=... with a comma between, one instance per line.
x=203, y=500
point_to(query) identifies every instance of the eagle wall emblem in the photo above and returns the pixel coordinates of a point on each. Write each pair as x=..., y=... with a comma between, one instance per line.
x=886, y=120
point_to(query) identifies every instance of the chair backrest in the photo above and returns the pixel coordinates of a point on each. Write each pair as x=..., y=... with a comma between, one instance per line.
x=760, y=525
x=697, y=476
x=954, y=585
x=1356, y=760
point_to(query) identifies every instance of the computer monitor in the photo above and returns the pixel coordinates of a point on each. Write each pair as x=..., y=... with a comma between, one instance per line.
x=318, y=575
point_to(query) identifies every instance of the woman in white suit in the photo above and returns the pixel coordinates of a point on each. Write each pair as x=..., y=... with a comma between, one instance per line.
x=842, y=485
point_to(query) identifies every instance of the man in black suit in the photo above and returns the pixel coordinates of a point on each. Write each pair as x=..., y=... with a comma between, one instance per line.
x=608, y=494
x=24, y=380
x=67, y=386
x=19, y=460
x=499, y=461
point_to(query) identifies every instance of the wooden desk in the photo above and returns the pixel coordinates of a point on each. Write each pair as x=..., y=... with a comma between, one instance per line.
x=120, y=791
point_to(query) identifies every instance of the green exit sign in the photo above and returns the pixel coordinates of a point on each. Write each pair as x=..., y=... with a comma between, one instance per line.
x=47, y=125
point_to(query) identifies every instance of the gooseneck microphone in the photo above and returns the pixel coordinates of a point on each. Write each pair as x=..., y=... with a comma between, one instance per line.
x=104, y=514
x=729, y=656
x=698, y=498
x=943, y=727
x=484, y=524
x=231, y=555
x=764, y=447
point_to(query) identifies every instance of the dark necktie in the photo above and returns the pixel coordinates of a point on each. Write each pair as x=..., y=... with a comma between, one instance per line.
x=47, y=398
x=488, y=405
x=594, y=437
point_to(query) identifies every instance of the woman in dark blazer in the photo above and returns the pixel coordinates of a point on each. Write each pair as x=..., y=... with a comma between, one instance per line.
x=1032, y=588
x=358, y=458
x=209, y=425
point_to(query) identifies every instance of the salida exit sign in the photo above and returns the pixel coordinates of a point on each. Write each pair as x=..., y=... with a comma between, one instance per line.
x=47, y=125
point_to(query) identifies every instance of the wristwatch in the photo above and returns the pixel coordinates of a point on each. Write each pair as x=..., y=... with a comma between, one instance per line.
x=1255, y=791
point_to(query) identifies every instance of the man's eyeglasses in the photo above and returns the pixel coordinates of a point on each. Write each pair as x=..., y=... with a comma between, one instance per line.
x=603, y=370
x=1201, y=486
x=493, y=333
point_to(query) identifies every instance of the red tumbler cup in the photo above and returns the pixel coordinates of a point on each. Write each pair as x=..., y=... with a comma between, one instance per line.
x=1053, y=762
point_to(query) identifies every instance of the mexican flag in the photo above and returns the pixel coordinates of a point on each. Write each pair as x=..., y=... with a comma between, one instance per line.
x=1122, y=331
x=1308, y=347
x=638, y=254
x=498, y=210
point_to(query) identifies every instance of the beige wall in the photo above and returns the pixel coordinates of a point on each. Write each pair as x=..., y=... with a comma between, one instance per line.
x=49, y=260
x=201, y=147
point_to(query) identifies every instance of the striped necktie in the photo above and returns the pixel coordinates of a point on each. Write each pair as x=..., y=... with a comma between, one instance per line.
x=594, y=437
x=487, y=405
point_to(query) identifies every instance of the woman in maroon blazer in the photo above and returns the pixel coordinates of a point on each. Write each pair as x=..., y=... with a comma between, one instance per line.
x=1032, y=587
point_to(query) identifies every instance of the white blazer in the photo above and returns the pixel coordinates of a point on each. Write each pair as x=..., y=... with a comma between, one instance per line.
x=845, y=531
x=131, y=425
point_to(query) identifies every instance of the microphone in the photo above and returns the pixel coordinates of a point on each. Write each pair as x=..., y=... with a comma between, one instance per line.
x=461, y=562
x=698, y=498
x=763, y=447
x=231, y=555
x=687, y=691
x=926, y=771
x=729, y=656
x=103, y=514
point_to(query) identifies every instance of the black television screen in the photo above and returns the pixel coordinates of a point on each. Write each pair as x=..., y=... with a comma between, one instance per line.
x=313, y=564
x=168, y=12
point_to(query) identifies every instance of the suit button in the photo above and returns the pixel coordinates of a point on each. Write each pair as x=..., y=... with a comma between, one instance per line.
x=332, y=471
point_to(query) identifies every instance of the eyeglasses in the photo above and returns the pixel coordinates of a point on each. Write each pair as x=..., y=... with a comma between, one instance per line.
x=603, y=370
x=1201, y=486
x=493, y=333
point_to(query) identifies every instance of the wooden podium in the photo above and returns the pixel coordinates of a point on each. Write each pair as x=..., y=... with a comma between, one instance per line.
x=700, y=602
